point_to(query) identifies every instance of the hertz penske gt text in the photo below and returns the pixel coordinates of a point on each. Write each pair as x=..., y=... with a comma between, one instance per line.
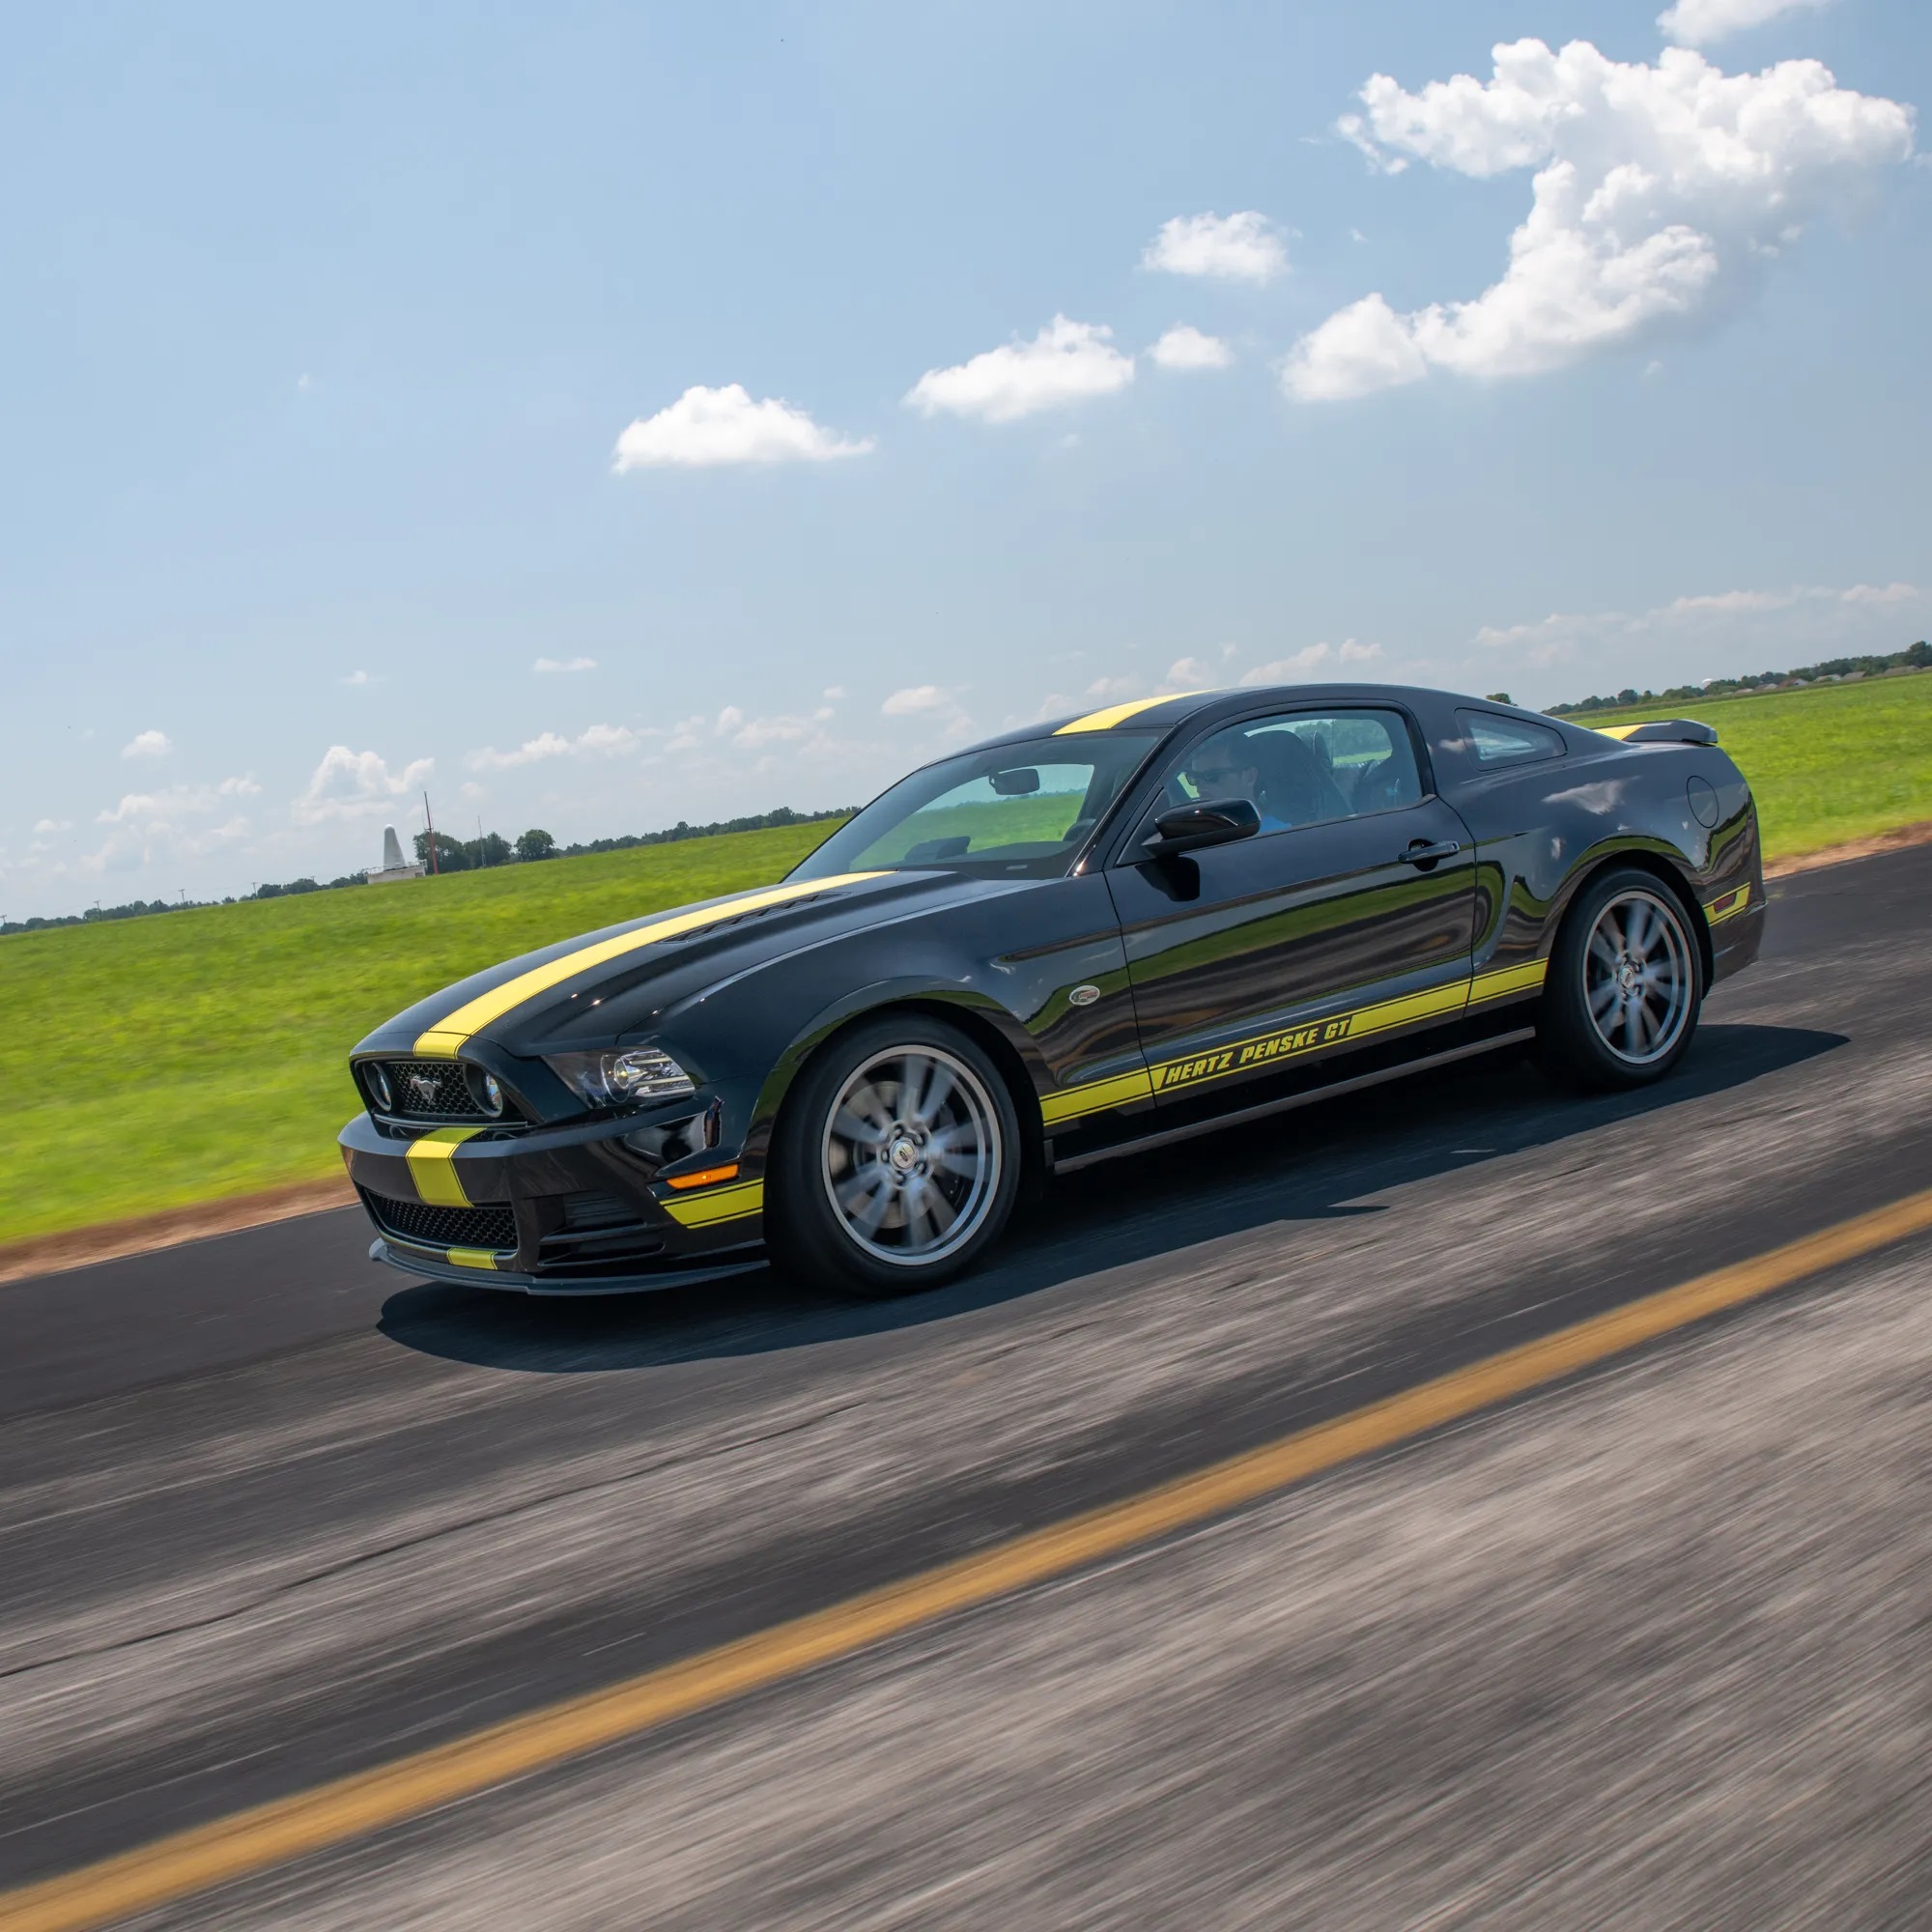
x=1064, y=945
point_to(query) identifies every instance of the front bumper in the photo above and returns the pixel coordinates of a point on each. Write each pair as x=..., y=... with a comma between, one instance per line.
x=555, y=1210
x=419, y=1262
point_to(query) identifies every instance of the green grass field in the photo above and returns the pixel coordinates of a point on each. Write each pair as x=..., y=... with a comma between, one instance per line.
x=1828, y=764
x=153, y=1062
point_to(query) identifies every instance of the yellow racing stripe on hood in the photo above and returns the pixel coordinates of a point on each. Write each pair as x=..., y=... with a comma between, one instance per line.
x=1118, y=714
x=444, y=1039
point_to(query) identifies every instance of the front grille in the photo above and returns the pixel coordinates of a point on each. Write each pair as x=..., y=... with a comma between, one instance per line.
x=430, y=1089
x=493, y=1228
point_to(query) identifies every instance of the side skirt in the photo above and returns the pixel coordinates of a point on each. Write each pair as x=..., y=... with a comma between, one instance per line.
x=1236, y=1116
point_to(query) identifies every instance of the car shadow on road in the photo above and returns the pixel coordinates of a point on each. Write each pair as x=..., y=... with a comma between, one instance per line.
x=1320, y=1163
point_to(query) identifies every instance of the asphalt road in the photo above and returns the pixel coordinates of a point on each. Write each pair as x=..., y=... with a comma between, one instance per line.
x=1650, y=1648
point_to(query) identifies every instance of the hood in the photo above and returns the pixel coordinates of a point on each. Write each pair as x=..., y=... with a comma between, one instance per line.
x=542, y=999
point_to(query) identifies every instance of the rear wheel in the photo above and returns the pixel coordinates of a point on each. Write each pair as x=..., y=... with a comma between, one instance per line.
x=1625, y=985
x=896, y=1160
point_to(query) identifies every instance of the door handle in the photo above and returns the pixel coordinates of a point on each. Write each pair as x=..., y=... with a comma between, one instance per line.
x=1419, y=853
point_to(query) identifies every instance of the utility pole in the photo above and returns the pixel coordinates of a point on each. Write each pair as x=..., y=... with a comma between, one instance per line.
x=431, y=823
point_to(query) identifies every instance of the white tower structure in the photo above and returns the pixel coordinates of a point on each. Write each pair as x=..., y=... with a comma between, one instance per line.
x=394, y=866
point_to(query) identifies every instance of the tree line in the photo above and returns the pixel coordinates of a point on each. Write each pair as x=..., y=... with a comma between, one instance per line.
x=452, y=855
x=1834, y=670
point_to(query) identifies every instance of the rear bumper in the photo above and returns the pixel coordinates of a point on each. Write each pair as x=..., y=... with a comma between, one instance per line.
x=1735, y=940
x=569, y=1210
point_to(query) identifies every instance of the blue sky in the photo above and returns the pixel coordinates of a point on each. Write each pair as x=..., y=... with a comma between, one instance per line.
x=348, y=365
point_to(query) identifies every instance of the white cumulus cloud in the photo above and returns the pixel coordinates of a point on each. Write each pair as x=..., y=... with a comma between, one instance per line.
x=1186, y=347
x=914, y=698
x=1065, y=362
x=145, y=826
x=1289, y=669
x=147, y=745
x=1237, y=247
x=599, y=741
x=180, y=801
x=355, y=784
x=708, y=427
x=1701, y=23
x=562, y=667
x=1710, y=634
x=1658, y=191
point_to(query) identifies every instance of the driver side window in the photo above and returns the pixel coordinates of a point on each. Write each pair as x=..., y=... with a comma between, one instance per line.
x=1302, y=767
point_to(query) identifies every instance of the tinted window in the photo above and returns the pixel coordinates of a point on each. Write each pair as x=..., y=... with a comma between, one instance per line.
x=1304, y=767
x=1503, y=741
x=1018, y=808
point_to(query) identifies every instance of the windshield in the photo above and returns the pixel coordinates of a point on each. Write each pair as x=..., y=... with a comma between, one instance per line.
x=1021, y=810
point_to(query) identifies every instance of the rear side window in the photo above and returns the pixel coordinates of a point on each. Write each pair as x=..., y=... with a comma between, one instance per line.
x=1508, y=741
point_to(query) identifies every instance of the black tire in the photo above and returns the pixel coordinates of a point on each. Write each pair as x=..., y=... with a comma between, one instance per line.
x=1625, y=986
x=934, y=1172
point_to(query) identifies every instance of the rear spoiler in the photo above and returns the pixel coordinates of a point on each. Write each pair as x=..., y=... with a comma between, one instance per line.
x=1661, y=731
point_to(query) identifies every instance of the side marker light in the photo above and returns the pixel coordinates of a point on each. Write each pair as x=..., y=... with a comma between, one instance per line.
x=705, y=1176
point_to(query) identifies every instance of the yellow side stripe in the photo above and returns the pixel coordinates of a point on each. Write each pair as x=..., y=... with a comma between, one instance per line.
x=1095, y=1097
x=362, y=1802
x=1731, y=903
x=721, y=1203
x=443, y=1040
x=432, y=1160
x=1118, y=714
x=1508, y=980
x=1261, y=1049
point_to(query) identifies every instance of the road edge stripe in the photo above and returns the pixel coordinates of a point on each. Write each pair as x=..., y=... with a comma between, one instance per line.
x=364, y=1802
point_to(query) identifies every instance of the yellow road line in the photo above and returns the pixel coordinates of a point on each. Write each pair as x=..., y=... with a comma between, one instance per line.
x=372, y=1801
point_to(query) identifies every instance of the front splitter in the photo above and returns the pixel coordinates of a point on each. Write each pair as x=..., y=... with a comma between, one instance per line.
x=433, y=1267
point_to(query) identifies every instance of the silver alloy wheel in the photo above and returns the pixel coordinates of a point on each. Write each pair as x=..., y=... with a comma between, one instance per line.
x=911, y=1155
x=1639, y=977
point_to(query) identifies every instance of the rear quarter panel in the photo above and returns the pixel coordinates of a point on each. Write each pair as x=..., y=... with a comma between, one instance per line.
x=1542, y=829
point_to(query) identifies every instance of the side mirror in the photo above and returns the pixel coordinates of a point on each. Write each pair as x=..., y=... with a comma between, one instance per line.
x=1211, y=821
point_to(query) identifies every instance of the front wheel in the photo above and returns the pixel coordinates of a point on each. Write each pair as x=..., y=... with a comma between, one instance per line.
x=1625, y=985
x=896, y=1160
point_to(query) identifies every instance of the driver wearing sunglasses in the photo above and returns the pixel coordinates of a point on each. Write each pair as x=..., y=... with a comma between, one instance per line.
x=1226, y=767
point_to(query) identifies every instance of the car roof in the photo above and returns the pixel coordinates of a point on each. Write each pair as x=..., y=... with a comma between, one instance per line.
x=1164, y=714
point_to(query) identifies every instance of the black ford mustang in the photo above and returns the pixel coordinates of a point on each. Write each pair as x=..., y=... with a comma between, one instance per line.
x=1075, y=941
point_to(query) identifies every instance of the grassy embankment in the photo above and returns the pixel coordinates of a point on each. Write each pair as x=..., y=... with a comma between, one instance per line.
x=158, y=1062
x=1829, y=764
x=152, y=1062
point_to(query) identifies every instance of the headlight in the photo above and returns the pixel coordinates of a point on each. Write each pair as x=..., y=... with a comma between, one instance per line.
x=377, y=1078
x=637, y=1074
